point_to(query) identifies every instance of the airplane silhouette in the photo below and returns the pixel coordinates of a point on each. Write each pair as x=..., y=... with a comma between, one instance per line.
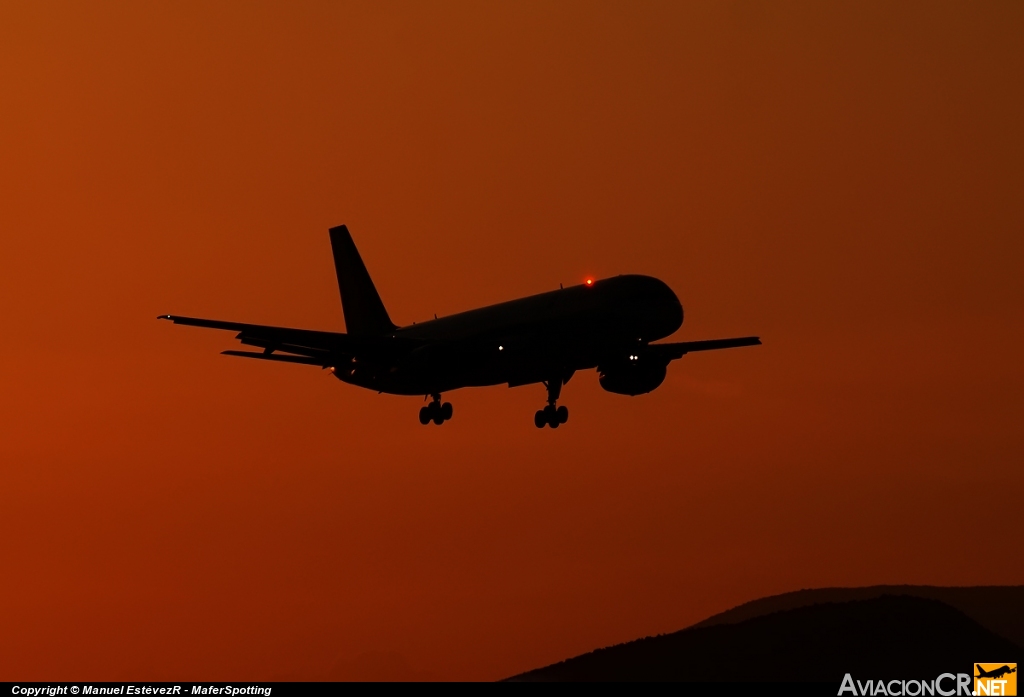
x=606, y=324
x=997, y=673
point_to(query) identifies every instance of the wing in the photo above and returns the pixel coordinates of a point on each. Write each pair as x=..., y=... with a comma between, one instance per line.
x=671, y=352
x=310, y=347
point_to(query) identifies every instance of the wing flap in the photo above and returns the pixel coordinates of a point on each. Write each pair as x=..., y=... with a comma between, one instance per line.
x=300, y=337
x=306, y=360
x=680, y=349
x=302, y=341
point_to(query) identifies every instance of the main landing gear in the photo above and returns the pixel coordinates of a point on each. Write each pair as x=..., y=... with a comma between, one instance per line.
x=551, y=415
x=435, y=411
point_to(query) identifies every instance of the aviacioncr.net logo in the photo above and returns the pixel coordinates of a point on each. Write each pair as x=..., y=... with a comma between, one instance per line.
x=946, y=685
x=995, y=679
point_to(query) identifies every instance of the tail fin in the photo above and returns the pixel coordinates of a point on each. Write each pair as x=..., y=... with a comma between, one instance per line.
x=364, y=311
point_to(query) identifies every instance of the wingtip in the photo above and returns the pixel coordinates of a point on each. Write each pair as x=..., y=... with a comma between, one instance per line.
x=164, y=317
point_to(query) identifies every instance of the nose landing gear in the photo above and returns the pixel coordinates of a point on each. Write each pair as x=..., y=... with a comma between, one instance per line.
x=551, y=415
x=436, y=411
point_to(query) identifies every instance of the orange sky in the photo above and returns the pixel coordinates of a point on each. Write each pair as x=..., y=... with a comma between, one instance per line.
x=844, y=180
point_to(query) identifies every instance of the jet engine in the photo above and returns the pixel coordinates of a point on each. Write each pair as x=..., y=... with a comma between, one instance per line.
x=633, y=374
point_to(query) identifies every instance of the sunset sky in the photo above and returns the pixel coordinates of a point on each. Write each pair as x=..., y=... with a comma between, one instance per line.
x=845, y=180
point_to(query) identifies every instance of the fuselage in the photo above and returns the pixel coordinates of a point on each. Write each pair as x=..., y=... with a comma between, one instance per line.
x=533, y=339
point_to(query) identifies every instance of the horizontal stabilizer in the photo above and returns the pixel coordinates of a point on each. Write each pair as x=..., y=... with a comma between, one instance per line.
x=276, y=357
x=680, y=349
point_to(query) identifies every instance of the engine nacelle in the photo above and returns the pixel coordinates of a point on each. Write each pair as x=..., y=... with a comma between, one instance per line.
x=635, y=375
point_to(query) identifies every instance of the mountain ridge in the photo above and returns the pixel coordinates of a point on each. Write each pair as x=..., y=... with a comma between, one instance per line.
x=793, y=637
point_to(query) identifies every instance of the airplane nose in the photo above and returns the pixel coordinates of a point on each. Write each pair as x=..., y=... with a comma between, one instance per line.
x=672, y=309
x=662, y=309
x=647, y=305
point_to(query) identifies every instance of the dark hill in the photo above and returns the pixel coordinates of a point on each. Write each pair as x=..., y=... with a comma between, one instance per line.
x=884, y=637
x=999, y=609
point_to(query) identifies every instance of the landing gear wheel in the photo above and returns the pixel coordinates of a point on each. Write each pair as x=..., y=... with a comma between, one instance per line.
x=436, y=411
x=551, y=416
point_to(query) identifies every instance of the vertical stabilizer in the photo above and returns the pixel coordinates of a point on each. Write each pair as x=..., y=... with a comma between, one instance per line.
x=364, y=311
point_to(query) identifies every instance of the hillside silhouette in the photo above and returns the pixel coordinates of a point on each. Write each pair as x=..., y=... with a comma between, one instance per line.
x=886, y=636
x=999, y=609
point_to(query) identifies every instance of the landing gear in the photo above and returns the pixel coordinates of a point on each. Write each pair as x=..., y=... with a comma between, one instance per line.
x=436, y=411
x=551, y=415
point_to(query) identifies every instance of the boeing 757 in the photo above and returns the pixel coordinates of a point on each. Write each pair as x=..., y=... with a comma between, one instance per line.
x=608, y=324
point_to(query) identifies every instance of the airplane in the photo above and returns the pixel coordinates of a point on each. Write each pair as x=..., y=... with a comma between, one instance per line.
x=607, y=324
x=997, y=673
